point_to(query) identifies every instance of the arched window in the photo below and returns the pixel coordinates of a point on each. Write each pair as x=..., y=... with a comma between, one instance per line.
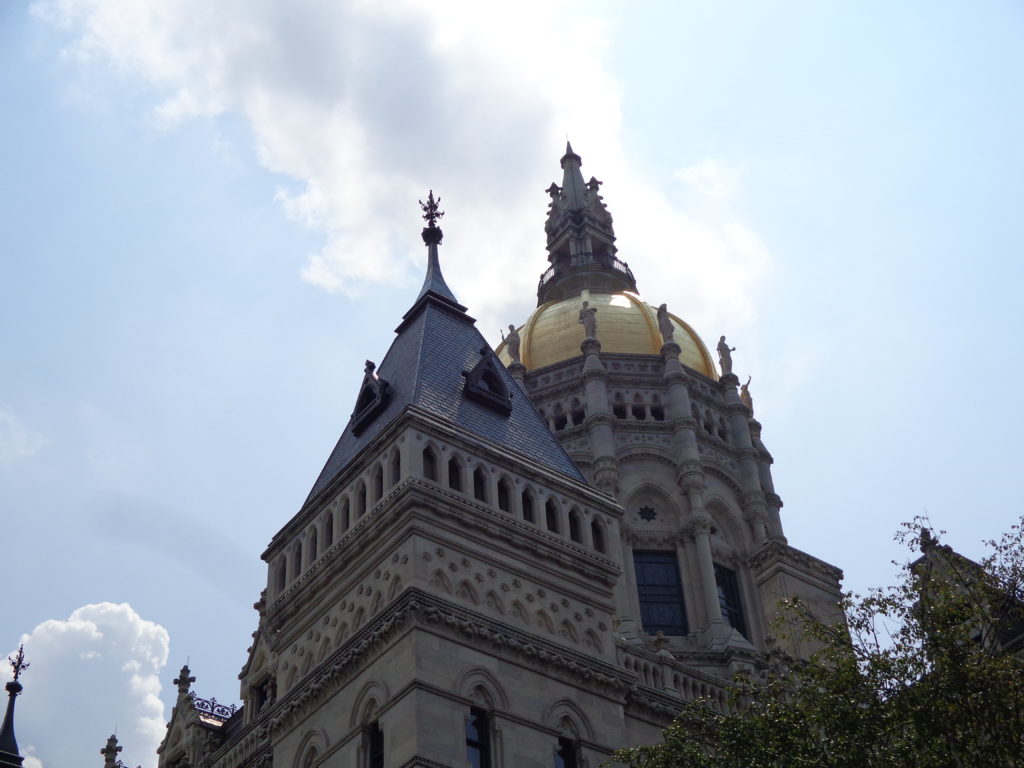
x=619, y=406
x=560, y=418
x=282, y=575
x=345, y=517
x=429, y=464
x=504, y=495
x=574, y=527
x=660, y=592
x=478, y=738
x=378, y=484
x=296, y=560
x=729, y=598
x=527, y=506
x=657, y=409
x=329, y=529
x=361, y=499
x=577, y=413
x=551, y=515
x=454, y=474
x=479, y=485
x=639, y=408
x=396, y=467
x=312, y=545
x=597, y=535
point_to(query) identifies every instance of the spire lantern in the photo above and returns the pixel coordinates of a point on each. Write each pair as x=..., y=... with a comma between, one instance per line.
x=581, y=240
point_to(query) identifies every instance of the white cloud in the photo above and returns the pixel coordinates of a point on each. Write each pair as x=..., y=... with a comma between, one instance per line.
x=17, y=441
x=711, y=178
x=366, y=105
x=93, y=672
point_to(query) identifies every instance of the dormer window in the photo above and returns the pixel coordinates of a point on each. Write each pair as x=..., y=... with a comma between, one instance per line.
x=484, y=384
x=374, y=394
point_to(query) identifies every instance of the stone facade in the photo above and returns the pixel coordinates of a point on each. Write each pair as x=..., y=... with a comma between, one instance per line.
x=461, y=587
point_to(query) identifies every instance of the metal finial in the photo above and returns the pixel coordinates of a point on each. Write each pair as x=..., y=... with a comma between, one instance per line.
x=18, y=663
x=430, y=210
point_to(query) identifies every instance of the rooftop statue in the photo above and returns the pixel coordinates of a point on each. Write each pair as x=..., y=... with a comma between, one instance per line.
x=589, y=320
x=725, y=355
x=668, y=330
x=745, y=397
x=512, y=343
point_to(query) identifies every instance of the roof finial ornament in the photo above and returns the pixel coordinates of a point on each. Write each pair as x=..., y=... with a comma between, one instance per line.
x=184, y=681
x=9, y=754
x=18, y=663
x=431, y=233
x=110, y=752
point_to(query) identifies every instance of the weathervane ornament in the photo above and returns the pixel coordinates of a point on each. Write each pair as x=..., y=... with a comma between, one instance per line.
x=18, y=663
x=431, y=233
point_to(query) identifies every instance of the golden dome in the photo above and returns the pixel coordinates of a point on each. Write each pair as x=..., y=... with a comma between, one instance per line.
x=625, y=323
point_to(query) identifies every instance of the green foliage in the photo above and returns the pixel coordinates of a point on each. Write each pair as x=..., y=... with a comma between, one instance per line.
x=929, y=672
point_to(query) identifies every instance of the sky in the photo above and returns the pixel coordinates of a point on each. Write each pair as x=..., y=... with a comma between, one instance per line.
x=209, y=221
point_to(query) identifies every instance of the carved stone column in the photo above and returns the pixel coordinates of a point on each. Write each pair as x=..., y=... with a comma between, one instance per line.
x=755, y=508
x=700, y=530
x=599, y=419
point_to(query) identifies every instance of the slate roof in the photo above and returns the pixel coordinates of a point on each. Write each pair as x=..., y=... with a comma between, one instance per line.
x=436, y=342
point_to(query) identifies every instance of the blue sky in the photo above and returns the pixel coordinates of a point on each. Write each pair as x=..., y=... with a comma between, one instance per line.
x=209, y=221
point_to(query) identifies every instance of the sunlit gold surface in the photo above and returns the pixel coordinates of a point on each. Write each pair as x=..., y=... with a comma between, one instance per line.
x=624, y=324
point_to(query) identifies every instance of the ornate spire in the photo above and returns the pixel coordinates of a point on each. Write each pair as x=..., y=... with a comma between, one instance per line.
x=9, y=755
x=110, y=753
x=573, y=188
x=434, y=285
x=184, y=681
x=581, y=240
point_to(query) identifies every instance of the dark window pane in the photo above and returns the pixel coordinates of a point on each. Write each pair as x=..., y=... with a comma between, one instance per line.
x=565, y=757
x=729, y=598
x=660, y=592
x=478, y=738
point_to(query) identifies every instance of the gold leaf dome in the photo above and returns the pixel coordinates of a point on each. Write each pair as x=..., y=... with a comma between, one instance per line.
x=625, y=324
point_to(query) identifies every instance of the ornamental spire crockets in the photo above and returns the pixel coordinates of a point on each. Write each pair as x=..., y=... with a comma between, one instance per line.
x=9, y=755
x=581, y=240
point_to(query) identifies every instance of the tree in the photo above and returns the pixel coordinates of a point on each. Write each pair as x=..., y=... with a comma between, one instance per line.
x=929, y=672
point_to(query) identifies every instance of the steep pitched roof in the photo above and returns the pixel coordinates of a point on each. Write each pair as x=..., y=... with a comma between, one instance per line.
x=437, y=342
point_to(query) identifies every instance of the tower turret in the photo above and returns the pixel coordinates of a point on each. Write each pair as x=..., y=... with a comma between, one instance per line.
x=581, y=240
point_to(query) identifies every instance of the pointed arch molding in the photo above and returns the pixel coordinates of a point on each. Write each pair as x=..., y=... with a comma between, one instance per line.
x=722, y=511
x=371, y=698
x=478, y=677
x=315, y=739
x=564, y=709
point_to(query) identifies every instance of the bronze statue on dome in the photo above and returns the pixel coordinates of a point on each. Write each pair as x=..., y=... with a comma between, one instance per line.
x=512, y=343
x=745, y=397
x=589, y=320
x=725, y=355
x=665, y=325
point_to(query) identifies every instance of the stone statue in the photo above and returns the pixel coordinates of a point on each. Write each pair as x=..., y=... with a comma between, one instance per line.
x=725, y=355
x=589, y=320
x=512, y=343
x=668, y=330
x=745, y=397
